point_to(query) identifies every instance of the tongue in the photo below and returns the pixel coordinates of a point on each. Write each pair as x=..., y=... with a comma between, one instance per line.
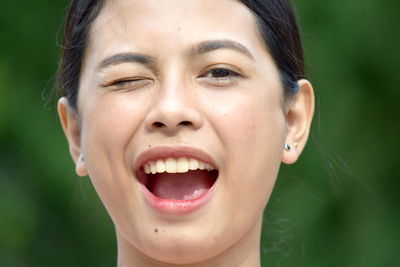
x=180, y=186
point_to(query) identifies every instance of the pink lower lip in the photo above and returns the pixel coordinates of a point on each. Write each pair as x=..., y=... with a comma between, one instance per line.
x=177, y=207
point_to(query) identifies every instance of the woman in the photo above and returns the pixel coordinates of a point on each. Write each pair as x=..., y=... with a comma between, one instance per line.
x=181, y=113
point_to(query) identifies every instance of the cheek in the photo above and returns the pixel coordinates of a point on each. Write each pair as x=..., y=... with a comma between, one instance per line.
x=249, y=119
x=254, y=137
x=252, y=130
x=108, y=123
x=111, y=119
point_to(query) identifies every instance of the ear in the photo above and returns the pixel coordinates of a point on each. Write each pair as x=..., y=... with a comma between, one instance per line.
x=299, y=114
x=70, y=124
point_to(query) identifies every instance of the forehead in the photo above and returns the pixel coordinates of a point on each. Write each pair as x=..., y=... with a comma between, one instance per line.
x=148, y=24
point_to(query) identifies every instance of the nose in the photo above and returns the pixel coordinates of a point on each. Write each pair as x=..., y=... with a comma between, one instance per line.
x=174, y=108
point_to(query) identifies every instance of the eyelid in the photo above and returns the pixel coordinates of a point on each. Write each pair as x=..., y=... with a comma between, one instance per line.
x=123, y=80
x=124, y=72
x=231, y=79
x=128, y=84
x=228, y=67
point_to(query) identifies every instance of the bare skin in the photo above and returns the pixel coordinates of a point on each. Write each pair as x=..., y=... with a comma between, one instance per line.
x=184, y=75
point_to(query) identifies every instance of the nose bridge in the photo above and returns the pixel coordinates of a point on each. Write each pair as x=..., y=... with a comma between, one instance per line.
x=174, y=105
x=172, y=93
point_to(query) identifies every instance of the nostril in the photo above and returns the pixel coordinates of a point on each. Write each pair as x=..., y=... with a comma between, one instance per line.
x=185, y=123
x=170, y=125
x=158, y=124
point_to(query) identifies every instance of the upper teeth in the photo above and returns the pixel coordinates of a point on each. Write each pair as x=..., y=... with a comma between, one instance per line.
x=173, y=165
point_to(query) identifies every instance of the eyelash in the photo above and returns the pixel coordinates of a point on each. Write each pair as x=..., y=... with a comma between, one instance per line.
x=224, y=76
x=224, y=71
x=129, y=83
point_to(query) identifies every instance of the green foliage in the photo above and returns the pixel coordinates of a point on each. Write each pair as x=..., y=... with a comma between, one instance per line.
x=338, y=206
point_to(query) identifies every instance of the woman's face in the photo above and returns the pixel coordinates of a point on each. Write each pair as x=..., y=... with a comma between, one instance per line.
x=164, y=80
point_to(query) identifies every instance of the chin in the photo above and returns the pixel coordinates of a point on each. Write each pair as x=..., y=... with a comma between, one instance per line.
x=179, y=245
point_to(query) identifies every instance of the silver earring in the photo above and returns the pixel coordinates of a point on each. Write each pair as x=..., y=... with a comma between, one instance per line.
x=288, y=147
x=82, y=157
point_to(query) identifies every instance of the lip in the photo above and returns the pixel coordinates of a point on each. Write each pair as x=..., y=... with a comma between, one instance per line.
x=171, y=206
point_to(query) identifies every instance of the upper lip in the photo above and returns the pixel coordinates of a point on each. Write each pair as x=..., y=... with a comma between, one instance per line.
x=162, y=152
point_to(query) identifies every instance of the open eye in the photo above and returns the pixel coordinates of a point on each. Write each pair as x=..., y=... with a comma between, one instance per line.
x=219, y=76
x=219, y=73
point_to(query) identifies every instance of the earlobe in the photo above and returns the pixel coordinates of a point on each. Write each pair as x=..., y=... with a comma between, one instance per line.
x=80, y=166
x=299, y=116
x=70, y=124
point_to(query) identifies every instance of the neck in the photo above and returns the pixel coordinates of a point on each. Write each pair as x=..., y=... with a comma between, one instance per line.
x=245, y=253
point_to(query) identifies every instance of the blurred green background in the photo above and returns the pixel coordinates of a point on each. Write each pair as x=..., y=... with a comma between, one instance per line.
x=338, y=206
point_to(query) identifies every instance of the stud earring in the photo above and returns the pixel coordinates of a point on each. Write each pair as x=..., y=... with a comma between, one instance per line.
x=82, y=158
x=296, y=145
x=288, y=147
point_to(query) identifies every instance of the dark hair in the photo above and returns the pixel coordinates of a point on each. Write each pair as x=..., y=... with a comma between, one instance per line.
x=275, y=18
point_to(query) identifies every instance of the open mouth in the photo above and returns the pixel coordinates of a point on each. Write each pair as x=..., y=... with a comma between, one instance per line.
x=177, y=179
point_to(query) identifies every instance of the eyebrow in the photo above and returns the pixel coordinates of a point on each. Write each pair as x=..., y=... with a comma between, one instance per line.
x=126, y=58
x=199, y=49
x=209, y=46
